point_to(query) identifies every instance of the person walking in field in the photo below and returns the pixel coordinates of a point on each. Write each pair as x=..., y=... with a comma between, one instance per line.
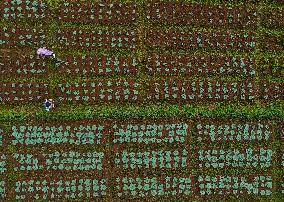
x=45, y=52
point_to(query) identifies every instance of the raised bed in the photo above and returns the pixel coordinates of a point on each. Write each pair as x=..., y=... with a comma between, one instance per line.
x=60, y=188
x=103, y=13
x=148, y=187
x=17, y=64
x=235, y=185
x=64, y=134
x=271, y=91
x=269, y=42
x=234, y=158
x=231, y=131
x=94, y=39
x=188, y=91
x=176, y=39
x=105, y=91
x=22, y=37
x=201, y=14
x=202, y=65
x=18, y=92
x=59, y=161
x=155, y=159
x=33, y=10
x=104, y=65
x=151, y=132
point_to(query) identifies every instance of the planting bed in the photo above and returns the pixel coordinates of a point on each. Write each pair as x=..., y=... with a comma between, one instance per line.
x=130, y=187
x=175, y=159
x=59, y=161
x=234, y=158
x=186, y=91
x=22, y=37
x=203, y=65
x=175, y=39
x=153, y=132
x=236, y=185
x=18, y=92
x=231, y=131
x=105, y=91
x=277, y=67
x=23, y=9
x=273, y=18
x=92, y=12
x=104, y=65
x=61, y=188
x=63, y=134
x=270, y=42
x=95, y=38
x=201, y=14
x=3, y=163
x=17, y=64
x=272, y=91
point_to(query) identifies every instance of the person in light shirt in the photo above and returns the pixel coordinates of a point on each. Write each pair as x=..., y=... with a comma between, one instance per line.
x=45, y=52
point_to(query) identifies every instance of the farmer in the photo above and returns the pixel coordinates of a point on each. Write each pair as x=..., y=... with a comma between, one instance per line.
x=48, y=104
x=44, y=52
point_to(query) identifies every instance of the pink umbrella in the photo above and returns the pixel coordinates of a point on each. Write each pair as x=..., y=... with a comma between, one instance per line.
x=44, y=52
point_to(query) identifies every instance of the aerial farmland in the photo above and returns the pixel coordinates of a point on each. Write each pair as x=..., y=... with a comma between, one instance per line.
x=174, y=100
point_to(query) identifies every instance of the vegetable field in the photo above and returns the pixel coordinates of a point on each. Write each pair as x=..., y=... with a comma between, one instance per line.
x=153, y=100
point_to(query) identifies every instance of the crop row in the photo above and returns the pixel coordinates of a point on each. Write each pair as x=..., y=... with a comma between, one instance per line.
x=270, y=42
x=183, y=91
x=91, y=12
x=15, y=36
x=1, y=137
x=142, y=132
x=2, y=163
x=60, y=189
x=91, y=39
x=148, y=133
x=201, y=14
x=224, y=185
x=16, y=92
x=192, y=65
x=59, y=161
x=276, y=66
x=104, y=65
x=177, y=39
x=153, y=159
x=110, y=91
x=2, y=189
x=23, y=9
x=66, y=134
x=239, y=132
x=272, y=91
x=17, y=64
x=248, y=158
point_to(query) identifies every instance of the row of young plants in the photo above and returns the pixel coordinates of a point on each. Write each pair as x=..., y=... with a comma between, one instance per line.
x=93, y=12
x=234, y=158
x=193, y=65
x=127, y=187
x=59, y=161
x=3, y=162
x=52, y=189
x=59, y=134
x=271, y=42
x=105, y=91
x=168, y=159
x=233, y=132
x=201, y=14
x=221, y=40
x=2, y=189
x=276, y=67
x=151, y=133
x=272, y=91
x=201, y=90
x=18, y=92
x=22, y=37
x=18, y=64
x=24, y=9
x=98, y=65
x=94, y=39
x=236, y=185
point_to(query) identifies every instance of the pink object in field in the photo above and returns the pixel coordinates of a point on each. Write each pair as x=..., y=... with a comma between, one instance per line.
x=44, y=52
